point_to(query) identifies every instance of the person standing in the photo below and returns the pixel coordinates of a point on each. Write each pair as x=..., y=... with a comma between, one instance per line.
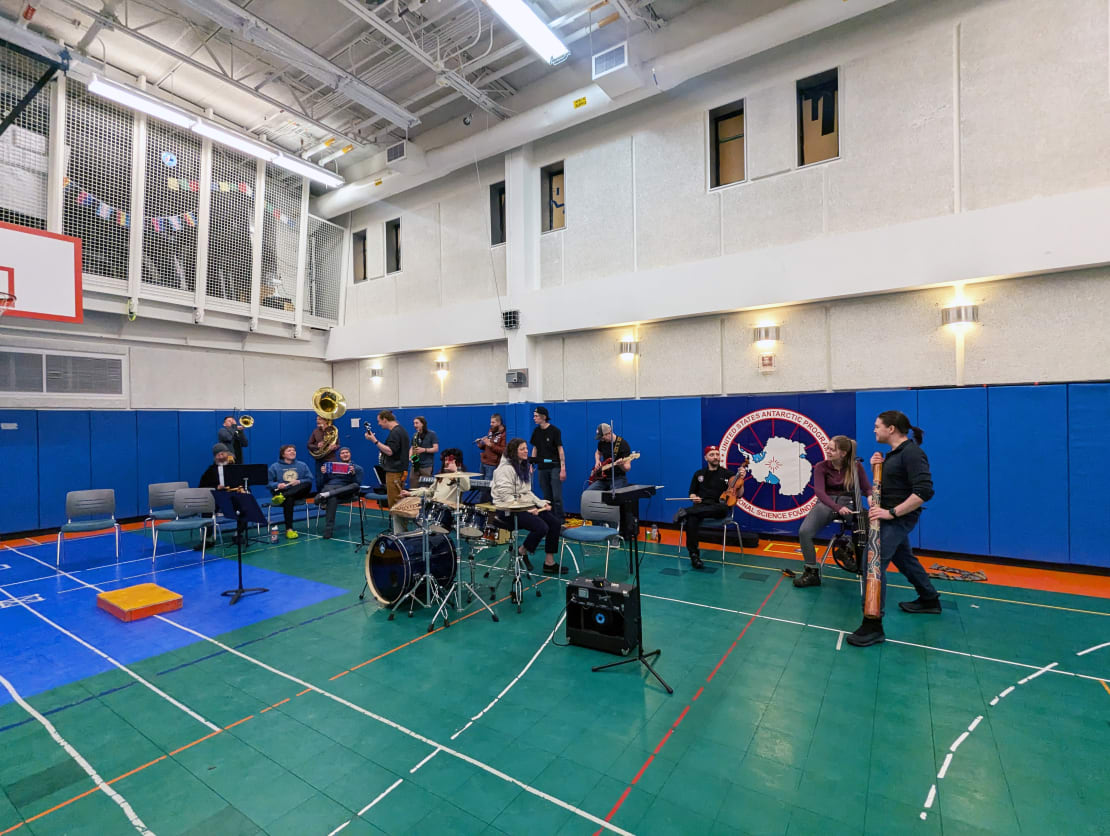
x=706, y=487
x=232, y=435
x=492, y=445
x=320, y=449
x=834, y=482
x=425, y=445
x=551, y=462
x=511, y=486
x=611, y=448
x=907, y=484
x=289, y=480
x=394, y=460
x=337, y=486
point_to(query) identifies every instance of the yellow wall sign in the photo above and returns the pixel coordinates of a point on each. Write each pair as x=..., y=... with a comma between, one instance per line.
x=579, y=103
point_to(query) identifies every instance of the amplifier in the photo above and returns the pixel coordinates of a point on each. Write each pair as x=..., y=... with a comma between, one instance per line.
x=603, y=615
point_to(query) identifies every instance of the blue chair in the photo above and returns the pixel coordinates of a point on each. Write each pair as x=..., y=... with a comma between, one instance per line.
x=88, y=511
x=160, y=502
x=194, y=510
x=591, y=534
x=724, y=523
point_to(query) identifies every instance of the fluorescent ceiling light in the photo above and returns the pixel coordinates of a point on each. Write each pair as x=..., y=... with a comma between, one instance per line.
x=308, y=170
x=137, y=100
x=233, y=140
x=530, y=29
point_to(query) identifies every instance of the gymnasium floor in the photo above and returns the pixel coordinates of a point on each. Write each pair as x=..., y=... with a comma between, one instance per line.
x=304, y=711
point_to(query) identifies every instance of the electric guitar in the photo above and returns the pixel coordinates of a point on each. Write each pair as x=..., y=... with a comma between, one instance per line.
x=599, y=472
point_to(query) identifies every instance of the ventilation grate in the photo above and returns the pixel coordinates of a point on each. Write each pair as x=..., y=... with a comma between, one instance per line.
x=395, y=152
x=20, y=371
x=510, y=320
x=74, y=374
x=611, y=59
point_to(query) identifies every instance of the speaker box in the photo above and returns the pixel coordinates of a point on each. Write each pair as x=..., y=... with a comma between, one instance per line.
x=603, y=615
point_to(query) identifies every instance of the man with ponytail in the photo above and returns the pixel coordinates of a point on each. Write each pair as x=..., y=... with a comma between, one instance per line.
x=907, y=484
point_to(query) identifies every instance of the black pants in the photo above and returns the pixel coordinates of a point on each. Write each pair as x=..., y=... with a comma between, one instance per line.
x=542, y=526
x=694, y=517
x=551, y=489
x=337, y=492
x=292, y=493
x=894, y=545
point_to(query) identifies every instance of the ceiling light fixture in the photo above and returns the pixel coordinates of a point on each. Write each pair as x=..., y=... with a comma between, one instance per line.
x=312, y=172
x=137, y=100
x=520, y=17
x=233, y=140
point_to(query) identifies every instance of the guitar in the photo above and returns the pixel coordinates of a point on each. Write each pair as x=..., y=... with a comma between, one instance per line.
x=599, y=471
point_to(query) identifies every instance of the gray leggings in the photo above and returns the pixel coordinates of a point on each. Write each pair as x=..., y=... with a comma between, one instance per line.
x=820, y=516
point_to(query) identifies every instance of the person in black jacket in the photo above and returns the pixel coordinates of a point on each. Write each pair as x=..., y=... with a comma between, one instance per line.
x=907, y=484
x=231, y=434
x=706, y=487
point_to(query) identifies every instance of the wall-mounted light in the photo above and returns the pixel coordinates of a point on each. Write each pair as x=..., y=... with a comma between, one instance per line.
x=629, y=349
x=375, y=375
x=959, y=316
x=442, y=368
x=766, y=337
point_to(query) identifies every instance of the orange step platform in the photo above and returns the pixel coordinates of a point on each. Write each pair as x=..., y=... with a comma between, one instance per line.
x=140, y=601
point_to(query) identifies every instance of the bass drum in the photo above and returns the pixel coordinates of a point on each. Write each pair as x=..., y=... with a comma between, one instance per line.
x=395, y=562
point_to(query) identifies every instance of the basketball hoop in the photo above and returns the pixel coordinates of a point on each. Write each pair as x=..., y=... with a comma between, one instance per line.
x=7, y=300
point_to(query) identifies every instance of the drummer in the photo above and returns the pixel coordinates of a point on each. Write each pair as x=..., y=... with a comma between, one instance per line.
x=448, y=489
x=511, y=487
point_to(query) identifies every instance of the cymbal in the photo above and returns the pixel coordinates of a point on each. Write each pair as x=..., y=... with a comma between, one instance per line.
x=516, y=506
x=456, y=475
x=486, y=506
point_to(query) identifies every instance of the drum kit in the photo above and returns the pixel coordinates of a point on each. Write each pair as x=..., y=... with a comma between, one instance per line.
x=425, y=566
x=519, y=566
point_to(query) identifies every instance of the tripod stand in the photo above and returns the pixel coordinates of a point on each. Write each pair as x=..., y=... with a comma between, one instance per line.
x=458, y=584
x=516, y=566
x=432, y=592
x=627, y=498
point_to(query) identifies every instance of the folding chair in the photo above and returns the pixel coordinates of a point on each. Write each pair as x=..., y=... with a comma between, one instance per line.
x=723, y=523
x=160, y=502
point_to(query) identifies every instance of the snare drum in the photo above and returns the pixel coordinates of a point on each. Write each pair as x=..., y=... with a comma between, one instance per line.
x=436, y=516
x=472, y=522
x=395, y=562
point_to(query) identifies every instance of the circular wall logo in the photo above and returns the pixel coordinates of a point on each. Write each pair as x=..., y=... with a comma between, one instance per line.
x=779, y=447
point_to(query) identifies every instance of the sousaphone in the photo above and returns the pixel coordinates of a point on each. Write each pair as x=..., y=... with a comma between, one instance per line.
x=328, y=404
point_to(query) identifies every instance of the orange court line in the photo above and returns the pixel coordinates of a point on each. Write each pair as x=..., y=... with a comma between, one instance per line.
x=194, y=743
x=138, y=769
x=237, y=722
x=1104, y=685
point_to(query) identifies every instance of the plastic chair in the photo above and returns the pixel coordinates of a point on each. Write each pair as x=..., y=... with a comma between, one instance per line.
x=160, y=502
x=583, y=534
x=723, y=523
x=88, y=511
x=194, y=509
x=349, y=500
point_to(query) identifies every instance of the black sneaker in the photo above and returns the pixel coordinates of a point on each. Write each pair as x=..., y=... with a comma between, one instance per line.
x=869, y=632
x=555, y=569
x=679, y=515
x=810, y=577
x=697, y=562
x=921, y=605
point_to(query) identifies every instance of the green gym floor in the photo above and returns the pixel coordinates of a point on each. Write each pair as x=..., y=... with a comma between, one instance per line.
x=993, y=717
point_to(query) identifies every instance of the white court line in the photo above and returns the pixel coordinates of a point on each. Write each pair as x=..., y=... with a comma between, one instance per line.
x=112, y=661
x=975, y=723
x=105, y=566
x=944, y=767
x=840, y=640
x=101, y=784
x=1033, y=676
x=428, y=758
x=392, y=787
x=1093, y=649
x=1006, y=693
x=956, y=743
x=341, y=827
x=366, y=712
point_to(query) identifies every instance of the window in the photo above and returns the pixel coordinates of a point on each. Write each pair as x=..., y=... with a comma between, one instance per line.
x=358, y=256
x=818, y=128
x=393, y=246
x=726, y=139
x=497, y=214
x=553, y=195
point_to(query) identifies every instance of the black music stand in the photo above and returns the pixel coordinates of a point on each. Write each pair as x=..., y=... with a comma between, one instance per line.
x=629, y=506
x=243, y=507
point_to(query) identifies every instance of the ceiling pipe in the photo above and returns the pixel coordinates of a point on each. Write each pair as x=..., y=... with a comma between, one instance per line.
x=662, y=73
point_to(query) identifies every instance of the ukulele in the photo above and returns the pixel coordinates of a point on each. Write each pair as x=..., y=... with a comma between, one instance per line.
x=599, y=471
x=735, y=488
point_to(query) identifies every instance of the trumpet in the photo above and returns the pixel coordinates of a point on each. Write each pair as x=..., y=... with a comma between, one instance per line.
x=246, y=421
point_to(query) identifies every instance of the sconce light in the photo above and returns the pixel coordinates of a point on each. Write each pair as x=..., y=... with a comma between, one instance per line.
x=959, y=316
x=375, y=375
x=442, y=368
x=765, y=336
x=629, y=349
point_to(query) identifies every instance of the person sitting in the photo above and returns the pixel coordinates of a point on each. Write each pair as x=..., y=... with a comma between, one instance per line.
x=289, y=480
x=510, y=486
x=339, y=483
x=447, y=491
x=706, y=487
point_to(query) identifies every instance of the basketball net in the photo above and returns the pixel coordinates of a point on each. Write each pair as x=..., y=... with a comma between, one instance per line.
x=7, y=300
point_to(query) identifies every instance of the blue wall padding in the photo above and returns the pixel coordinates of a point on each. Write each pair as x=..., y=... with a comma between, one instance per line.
x=957, y=519
x=114, y=458
x=640, y=425
x=20, y=450
x=64, y=462
x=197, y=432
x=264, y=438
x=1088, y=499
x=578, y=447
x=1029, y=472
x=160, y=460
x=680, y=451
x=868, y=406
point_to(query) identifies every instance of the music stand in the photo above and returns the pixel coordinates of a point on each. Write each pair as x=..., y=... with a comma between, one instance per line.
x=244, y=507
x=628, y=499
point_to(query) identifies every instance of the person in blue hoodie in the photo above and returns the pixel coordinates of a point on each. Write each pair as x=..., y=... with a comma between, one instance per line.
x=342, y=480
x=290, y=480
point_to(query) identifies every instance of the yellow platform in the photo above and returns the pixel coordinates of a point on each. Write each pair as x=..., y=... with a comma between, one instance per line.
x=140, y=601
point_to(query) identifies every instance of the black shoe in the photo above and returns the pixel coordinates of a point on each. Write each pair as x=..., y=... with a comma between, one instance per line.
x=327, y=534
x=870, y=632
x=696, y=562
x=554, y=569
x=523, y=555
x=810, y=577
x=921, y=605
x=679, y=515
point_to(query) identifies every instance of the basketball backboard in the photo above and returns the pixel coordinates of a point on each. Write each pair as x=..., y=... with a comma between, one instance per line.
x=43, y=271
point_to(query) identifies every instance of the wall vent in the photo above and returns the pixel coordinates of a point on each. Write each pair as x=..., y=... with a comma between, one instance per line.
x=611, y=60
x=510, y=320
x=395, y=153
x=55, y=373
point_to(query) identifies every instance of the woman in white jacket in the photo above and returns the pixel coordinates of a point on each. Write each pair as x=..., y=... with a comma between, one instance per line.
x=511, y=485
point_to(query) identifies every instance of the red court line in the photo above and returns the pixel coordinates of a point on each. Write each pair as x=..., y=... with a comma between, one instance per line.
x=674, y=726
x=698, y=694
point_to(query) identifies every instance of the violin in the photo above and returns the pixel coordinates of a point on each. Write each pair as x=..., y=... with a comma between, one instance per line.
x=735, y=489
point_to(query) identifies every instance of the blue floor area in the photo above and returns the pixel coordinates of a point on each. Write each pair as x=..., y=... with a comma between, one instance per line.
x=45, y=658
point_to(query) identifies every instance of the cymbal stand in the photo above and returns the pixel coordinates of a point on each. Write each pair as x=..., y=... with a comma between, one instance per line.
x=427, y=580
x=458, y=584
x=517, y=568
